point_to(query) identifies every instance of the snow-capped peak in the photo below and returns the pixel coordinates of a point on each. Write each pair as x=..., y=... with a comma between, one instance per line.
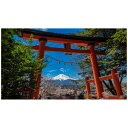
x=62, y=77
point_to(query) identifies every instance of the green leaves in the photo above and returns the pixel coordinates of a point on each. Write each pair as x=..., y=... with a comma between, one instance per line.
x=18, y=64
x=114, y=47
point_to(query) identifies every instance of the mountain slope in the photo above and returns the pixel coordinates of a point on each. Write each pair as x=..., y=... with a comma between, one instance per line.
x=63, y=81
x=62, y=77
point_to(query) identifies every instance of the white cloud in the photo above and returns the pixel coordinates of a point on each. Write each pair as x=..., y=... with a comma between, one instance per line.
x=52, y=71
x=48, y=76
x=63, y=70
x=43, y=29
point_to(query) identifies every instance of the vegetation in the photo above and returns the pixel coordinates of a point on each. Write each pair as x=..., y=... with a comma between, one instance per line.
x=18, y=65
x=20, y=68
x=115, y=49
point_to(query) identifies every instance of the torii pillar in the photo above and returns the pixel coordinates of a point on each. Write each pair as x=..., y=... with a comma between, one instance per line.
x=96, y=73
x=40, y=56
x=88, y=90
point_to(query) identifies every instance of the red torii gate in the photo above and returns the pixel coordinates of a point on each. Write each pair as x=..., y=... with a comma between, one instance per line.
x=44, y=37
x=115, y=77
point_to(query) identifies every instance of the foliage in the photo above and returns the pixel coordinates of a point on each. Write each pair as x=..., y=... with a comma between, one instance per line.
x=18, y=65
x=115, y=49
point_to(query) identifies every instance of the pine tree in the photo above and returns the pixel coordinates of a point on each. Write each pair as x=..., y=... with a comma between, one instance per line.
x=18, y=65
x=115, y=49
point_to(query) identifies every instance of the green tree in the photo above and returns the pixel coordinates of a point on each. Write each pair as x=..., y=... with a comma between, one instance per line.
x=18, y=65
x=115, y=49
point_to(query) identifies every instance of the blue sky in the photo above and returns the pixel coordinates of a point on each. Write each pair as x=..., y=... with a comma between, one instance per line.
x=54, y=67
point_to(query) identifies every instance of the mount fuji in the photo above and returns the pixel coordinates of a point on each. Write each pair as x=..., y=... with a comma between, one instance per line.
x=62, y=77
x=64, y=81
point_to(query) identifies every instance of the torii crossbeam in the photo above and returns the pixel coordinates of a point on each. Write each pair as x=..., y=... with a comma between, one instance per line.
x=44, y=37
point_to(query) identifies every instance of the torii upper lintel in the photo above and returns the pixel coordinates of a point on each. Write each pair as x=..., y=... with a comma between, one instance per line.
x=61, y=38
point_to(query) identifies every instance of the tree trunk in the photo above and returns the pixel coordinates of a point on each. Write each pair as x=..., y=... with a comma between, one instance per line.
x=110, y=89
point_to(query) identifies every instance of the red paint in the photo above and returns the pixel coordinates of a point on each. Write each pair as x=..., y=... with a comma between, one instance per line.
x=116, y=83
x=103, y=78
x=66, y=49
x=99, y=88
x=113, y=97
x=40, y=56
x=59, y=40
x=87, y=87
